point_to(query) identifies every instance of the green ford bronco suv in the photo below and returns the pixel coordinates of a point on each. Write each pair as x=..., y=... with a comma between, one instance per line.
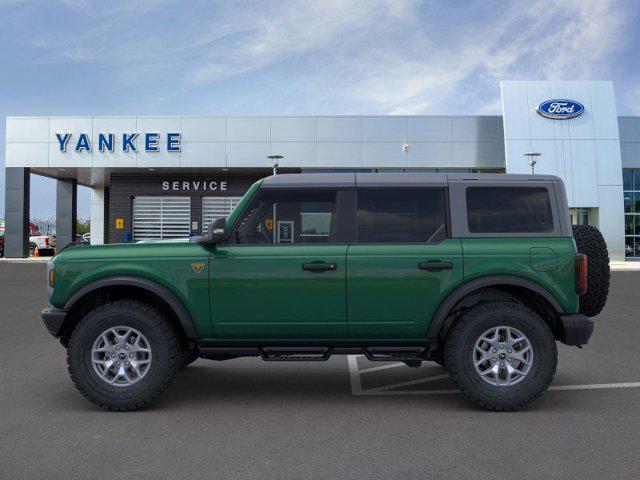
x=480, y=273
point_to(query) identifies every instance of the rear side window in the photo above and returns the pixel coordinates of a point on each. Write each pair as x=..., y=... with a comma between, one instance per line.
x=509, y=210
x=401, y=216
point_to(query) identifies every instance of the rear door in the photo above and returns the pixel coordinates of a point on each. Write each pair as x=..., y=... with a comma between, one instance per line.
x=402, y=264
x=283, y=277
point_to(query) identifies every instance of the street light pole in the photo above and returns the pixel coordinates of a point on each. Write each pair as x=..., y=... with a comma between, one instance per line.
x=405, y=153
x=274, y=164
x=275, y=159
x=532, y=160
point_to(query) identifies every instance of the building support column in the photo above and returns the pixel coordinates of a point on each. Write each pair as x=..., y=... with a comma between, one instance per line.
x=97, y=216
x=107, y=221
x=17, y=191
x=66, y=212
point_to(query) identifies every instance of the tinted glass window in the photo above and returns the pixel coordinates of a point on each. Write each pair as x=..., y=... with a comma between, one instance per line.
x=509, y=210
x=401, y=216
x=284, y=217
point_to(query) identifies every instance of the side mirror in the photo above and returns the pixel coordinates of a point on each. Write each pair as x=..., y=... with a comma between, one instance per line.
x=217, y=230
x=217, y=233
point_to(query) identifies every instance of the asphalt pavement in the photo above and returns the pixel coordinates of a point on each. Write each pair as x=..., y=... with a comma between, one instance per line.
x=247, y=418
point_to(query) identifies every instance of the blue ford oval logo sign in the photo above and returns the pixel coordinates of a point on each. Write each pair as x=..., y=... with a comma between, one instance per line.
x=560, y=109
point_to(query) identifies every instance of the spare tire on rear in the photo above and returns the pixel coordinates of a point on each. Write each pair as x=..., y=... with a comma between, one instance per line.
x=590, y=242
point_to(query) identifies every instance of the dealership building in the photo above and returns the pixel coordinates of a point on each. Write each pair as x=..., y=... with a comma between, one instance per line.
x=168, y=176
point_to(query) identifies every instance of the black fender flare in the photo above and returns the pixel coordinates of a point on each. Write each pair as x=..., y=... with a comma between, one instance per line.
x=467, y=288
x=183, y=315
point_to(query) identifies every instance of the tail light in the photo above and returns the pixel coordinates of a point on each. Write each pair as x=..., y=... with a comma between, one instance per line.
x=46, y=241
x=581, y=274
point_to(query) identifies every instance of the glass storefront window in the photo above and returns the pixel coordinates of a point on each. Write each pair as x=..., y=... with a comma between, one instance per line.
x=631, y=182
x=628, y=246
x=580, y=216
x=629, y=224
x=628, y=202
x=627, y=179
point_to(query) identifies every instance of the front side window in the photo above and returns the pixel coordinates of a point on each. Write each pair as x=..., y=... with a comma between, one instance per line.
x=401, y=216
x=509, y=210
x=288, y=217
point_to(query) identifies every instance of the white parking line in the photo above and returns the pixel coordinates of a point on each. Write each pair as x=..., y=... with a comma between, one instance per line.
x=356, y=383
x=382, y=367
x=595, y=386
x=408, y=383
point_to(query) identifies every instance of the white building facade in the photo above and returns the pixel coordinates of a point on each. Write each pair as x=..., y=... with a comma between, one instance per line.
x=159, y=177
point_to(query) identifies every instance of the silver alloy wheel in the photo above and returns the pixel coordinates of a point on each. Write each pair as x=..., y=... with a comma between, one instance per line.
x=502, y=356
x=121, y=356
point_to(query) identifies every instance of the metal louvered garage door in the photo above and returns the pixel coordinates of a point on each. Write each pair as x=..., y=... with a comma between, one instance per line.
x=161, y=217
x=213, y=207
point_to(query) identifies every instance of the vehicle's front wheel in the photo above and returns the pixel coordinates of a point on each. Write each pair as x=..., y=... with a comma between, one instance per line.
x=501, y=355
x=123, y=354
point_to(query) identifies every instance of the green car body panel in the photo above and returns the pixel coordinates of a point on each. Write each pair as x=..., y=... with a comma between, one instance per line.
x=261, y=292
x=168, y=264
x=389, y=297
x=376, y=293
x=547, y=262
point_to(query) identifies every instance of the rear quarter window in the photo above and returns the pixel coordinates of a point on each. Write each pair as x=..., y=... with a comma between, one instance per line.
x=509, y=210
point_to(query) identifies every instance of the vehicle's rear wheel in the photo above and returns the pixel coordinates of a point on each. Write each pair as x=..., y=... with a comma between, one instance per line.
x=32, y=249
x=590, y=241
x=501, y=355
x=123, y=354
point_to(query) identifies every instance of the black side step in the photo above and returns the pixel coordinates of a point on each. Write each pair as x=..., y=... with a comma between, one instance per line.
x=315, y=353
x=293, y=354
x=387, y=354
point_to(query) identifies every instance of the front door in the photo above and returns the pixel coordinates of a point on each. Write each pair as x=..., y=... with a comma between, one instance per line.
x=282, y=276
x=402, y=265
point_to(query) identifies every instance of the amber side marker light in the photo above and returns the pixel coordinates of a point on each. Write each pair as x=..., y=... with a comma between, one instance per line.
x=581, y=274
x=51, y=278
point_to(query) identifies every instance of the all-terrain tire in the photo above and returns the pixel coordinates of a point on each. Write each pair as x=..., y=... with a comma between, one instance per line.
x=589, y=241
x=163, y=341
x=459, y=359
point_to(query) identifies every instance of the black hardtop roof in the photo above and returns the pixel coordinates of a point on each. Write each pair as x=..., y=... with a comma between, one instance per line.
x=346, y=180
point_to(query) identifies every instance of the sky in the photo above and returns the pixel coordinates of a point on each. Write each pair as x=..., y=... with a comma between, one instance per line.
x=146, y=57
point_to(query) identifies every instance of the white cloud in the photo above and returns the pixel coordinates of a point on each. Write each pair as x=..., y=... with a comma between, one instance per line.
x=539, y=40
x=294, y=29
x=391, y=56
